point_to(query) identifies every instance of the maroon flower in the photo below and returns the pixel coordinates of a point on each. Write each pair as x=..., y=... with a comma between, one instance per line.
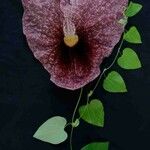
x=72, y=37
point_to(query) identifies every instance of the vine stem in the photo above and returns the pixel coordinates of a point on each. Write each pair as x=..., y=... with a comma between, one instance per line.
x=73, y=117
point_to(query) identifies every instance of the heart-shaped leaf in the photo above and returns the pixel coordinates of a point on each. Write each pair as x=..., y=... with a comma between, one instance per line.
x=114, y=83
x=133, y=36
x=97, y=146
x=133, y=9
x=93, y=113
x=129, y=59
x=52, y=131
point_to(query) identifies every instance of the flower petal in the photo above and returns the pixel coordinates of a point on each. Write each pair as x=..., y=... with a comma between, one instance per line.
x=97, y=21
x=98, y=29
x=100, y=21
x=42, y=27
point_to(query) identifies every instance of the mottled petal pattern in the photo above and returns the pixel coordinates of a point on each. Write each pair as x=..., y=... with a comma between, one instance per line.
x=95, y=22
x=42, y=26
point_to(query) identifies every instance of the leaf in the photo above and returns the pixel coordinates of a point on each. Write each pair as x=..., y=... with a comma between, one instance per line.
x=52, y=131
x=76, y=123
x=133, y=36
x=129, y=59
x=90, y=93
x=97, y=146
x=114, y=83
x=133, y=9
x=93, y=113
x=123, y=20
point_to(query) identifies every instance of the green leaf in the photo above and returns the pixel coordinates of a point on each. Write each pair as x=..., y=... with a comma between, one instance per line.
x=90, y=93
x=114, y=83
x=123, y=20
x=52, y=131
x=133, y=9
x=76, y=123
x=129, y=59
x=97, y=146
x=133, y=36
x=93, y=113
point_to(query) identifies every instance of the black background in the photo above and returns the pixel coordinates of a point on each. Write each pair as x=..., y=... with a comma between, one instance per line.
x=28, y=98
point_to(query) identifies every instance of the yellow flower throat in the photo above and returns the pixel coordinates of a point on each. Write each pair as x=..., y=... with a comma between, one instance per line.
x=71, y=40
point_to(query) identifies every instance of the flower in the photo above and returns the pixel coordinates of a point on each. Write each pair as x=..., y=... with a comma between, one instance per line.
x=72, y=37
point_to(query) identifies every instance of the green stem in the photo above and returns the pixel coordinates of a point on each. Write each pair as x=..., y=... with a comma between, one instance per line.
x=73, y=117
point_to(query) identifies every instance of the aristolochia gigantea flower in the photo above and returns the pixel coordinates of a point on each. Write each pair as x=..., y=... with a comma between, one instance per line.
x=72, y=37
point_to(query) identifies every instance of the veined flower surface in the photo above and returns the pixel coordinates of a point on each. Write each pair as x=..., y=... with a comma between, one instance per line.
x=72, y=37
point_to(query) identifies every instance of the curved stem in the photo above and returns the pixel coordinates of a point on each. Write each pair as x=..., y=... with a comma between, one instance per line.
x=68, y=124
x=71, y=133
x=73, y=117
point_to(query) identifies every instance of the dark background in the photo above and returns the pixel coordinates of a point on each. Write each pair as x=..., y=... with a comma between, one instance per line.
x=28, y=98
